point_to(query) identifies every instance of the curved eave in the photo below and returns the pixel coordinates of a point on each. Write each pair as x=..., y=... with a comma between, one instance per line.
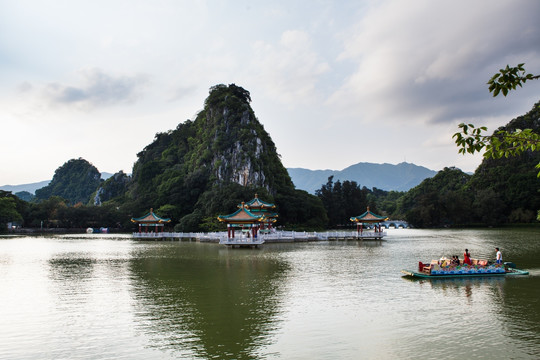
x=257, y=203
x=241, y=216
x=368, y=217
x=165, y=221
x=150, y=218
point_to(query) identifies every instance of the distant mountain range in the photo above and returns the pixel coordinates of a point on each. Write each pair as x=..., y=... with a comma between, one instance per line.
x=400, y=177
x=32, y=187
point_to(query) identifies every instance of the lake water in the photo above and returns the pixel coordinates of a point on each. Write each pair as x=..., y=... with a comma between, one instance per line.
x=110, y=297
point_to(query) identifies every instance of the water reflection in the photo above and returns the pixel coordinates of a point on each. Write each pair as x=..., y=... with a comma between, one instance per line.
x=519, y=309
x=215, y=303
x=71, y=269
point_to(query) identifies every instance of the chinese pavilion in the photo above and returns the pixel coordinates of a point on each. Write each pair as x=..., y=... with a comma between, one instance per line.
x=369, y=218
x=243, y=219
x=258, y=207
x=149, y=220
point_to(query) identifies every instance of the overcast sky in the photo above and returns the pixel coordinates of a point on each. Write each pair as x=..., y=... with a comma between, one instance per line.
x=333, y=82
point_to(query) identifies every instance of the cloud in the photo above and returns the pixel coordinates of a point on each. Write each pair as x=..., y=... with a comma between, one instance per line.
x=290, y=69
x=24, y=87
x=429, y=61
x=182, y=92
x=97, y=89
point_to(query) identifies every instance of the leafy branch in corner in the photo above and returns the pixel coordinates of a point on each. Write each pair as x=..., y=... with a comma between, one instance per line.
x=501, y=144
x=471, y=139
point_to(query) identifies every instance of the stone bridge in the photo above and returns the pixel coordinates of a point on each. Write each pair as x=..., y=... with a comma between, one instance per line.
x=395, y=223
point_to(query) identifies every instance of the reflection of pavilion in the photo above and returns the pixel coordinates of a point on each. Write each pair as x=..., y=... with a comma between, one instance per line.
x=149, y=220
x=250, y=218
x=369, y=219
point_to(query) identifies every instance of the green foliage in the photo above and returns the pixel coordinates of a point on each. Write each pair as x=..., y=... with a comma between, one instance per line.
x=299, y=210
x=56, y=212
x=114, y=187
x=508, y=79
x=75, y=181
x=25, y=195
x=513, y=180
x=502, y=143
x=501, y=191
x=8, y=209
x=443, y=200
x=190, y=223
x=505, y=184
x=342, y=201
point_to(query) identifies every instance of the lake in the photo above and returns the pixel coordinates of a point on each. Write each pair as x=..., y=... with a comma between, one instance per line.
x=111, y=297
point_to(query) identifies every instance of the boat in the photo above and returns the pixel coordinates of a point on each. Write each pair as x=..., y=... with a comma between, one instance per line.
x=444, y=269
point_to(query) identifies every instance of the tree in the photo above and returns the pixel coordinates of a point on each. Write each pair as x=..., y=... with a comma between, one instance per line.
x=8, y=209
x=501, y=143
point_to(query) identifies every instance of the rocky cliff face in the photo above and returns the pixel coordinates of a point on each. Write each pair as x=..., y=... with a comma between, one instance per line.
x=241, y=151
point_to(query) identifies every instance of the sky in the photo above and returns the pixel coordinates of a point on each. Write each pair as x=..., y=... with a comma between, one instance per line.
x=334, y=83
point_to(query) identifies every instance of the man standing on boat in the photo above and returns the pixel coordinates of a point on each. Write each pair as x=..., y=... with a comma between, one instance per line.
x=499, y=256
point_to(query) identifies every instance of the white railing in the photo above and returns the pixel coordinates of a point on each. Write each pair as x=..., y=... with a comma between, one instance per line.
x=282, y=236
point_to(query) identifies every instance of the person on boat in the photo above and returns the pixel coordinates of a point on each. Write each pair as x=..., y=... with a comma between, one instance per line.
x=467, y=257
x=455, y=260
x=498, y=256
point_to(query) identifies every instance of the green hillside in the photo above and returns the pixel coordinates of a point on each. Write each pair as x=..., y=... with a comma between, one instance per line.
x=501, y=191
x=74, y=181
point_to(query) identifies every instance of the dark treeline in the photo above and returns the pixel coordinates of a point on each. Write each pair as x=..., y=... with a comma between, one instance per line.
x=56, y=212
x=342, y=200
x=451, y=198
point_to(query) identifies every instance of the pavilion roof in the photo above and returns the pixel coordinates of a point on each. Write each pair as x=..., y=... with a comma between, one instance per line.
x=150, y=218
x=241, y=216
x=257, y=203
x=368, y=217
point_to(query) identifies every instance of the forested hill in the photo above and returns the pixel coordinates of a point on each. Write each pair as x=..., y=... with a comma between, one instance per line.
x=400, y=177
x=500, y=191
x=74, y=181
x=207, y=166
